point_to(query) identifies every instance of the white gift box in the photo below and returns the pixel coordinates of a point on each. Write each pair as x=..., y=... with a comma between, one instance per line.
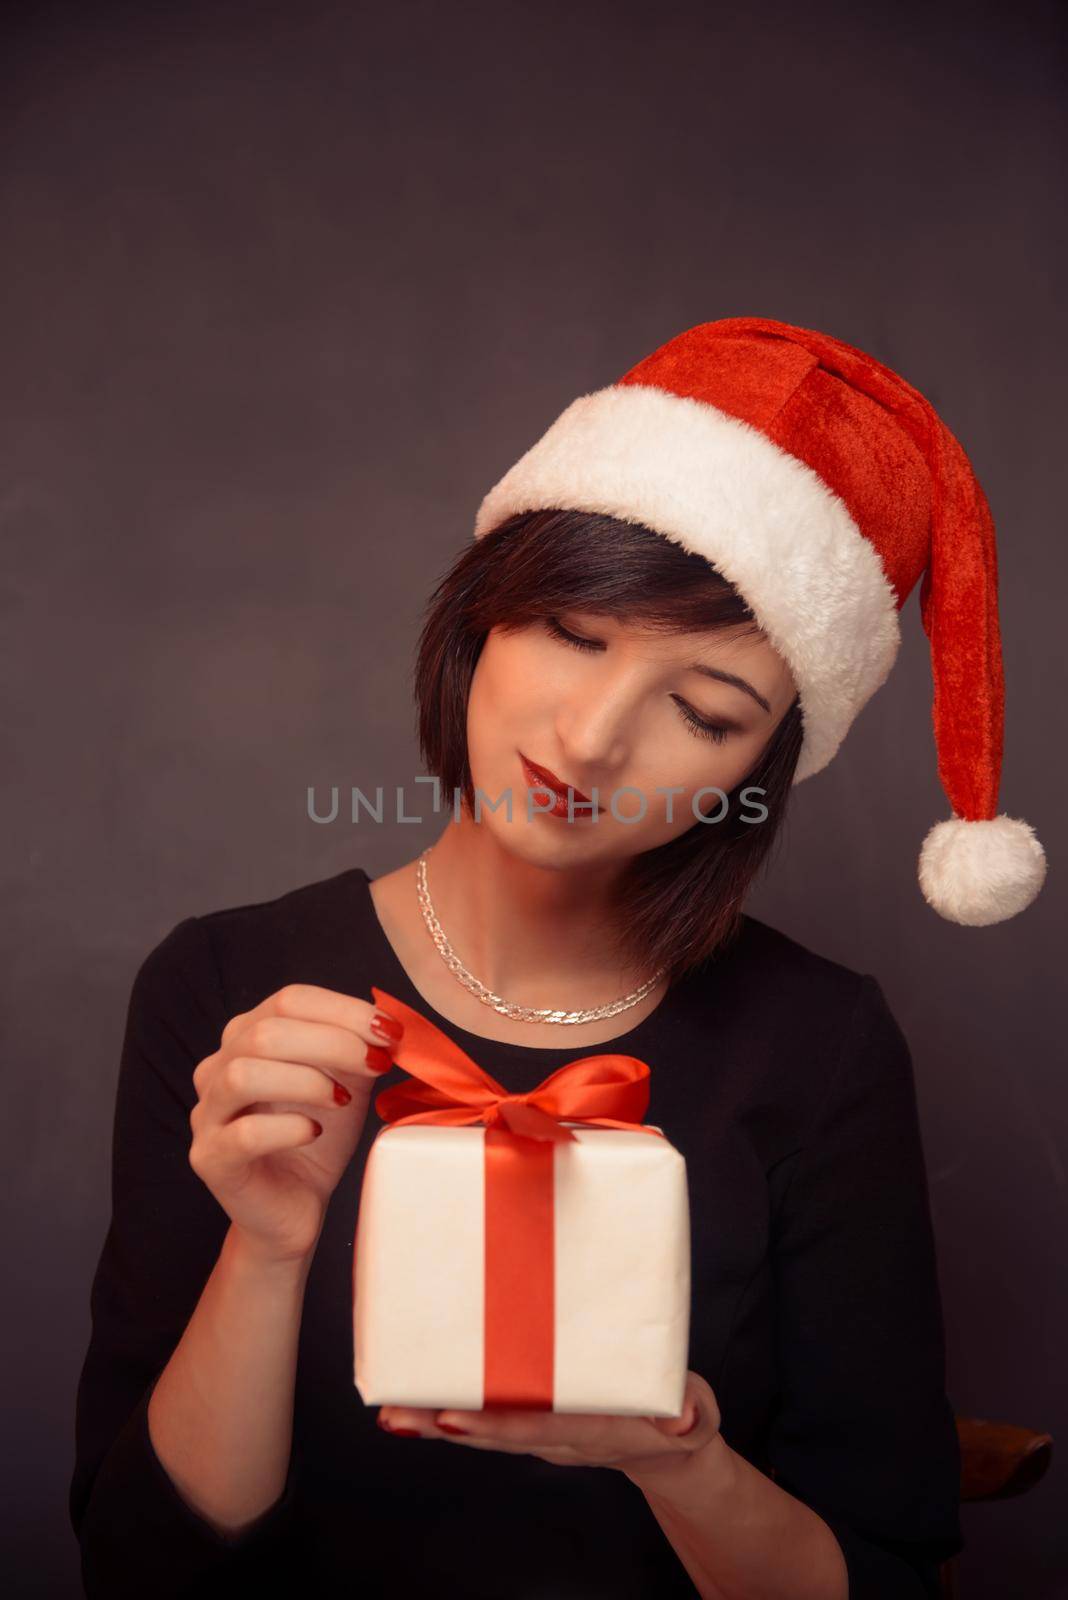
x=620, y=1271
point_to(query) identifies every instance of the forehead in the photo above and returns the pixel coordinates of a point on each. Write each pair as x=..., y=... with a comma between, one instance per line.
x=687, y=647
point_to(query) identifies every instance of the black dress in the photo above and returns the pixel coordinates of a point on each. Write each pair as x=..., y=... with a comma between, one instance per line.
x=785, y=1082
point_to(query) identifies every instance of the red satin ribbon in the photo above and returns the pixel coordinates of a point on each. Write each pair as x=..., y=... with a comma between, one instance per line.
x=607, y=1091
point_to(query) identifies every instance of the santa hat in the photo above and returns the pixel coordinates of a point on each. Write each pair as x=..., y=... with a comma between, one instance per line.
x=822, y=486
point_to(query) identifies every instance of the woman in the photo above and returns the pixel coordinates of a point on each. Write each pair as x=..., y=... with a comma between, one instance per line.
x=674, y=606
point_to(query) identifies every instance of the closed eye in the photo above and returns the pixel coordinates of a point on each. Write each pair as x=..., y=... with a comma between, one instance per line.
x=559, y=632
x=716, y=731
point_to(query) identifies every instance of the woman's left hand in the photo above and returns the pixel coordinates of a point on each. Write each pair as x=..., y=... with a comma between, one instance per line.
x=635, y=1445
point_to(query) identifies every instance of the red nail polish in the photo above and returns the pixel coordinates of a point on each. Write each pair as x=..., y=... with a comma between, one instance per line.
x=341, y=1094
x=401, y=1433
x=387, y=1028
x=450, y=1427
x=378, y=1060
x=318, y=1128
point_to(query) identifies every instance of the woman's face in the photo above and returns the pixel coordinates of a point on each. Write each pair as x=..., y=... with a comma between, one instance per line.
x=615, y=706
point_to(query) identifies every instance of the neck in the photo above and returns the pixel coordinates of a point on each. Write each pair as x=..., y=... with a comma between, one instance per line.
x=536, y=934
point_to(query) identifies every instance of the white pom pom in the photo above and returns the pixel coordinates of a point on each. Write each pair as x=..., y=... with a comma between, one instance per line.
x=977, y=873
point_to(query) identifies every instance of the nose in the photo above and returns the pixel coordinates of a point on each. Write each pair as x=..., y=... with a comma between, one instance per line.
x=594, y=727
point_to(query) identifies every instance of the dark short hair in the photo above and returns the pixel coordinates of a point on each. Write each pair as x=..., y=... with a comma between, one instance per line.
x=679, y=903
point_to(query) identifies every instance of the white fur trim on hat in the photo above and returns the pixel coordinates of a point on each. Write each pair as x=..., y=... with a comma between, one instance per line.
x=978, y=873
x=719, y=487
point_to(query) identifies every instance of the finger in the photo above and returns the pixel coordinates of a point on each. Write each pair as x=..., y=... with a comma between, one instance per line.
x=243, y=1081
x=599, y=1440
x=334, y=1049
x=574, y=1436
x=245, y=1139
x=309, y=1002
x=407, y=1421
x=235, y=1024
x=564, y=1428
x=700, y=1417
x=678, y=1427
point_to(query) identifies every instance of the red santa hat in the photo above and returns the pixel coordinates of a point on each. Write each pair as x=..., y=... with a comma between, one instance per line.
x=823, y=486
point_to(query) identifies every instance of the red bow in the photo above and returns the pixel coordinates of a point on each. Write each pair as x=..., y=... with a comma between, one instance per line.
x=608, y=1091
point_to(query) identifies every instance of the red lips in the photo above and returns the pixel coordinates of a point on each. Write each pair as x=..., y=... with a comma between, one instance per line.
x=542, y=775
x=551, y=781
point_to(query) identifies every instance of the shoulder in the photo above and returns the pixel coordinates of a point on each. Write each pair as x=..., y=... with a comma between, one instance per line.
x=802, y=1025
x=775, y=946
x=866, y=1055
x=242, y=952
x=782, y=975
x=300, y=907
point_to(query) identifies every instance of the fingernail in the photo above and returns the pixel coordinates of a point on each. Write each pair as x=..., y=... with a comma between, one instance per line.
x=450, y=1427
x=341, y=1094
x=386, y=1027
x=318, y=1128
x=402, y=1433
x=378, y=1060
x=692, y=1426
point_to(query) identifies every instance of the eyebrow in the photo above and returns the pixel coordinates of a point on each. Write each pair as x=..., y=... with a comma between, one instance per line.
x=733, y=680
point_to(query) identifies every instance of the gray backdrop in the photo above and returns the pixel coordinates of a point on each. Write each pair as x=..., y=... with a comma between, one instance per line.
x=287, y=288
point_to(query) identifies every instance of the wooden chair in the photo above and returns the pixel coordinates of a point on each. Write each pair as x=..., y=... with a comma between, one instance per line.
x=998, y=1460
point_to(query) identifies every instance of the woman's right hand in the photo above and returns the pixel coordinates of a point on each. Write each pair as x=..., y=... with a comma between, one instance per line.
x=280, y=1108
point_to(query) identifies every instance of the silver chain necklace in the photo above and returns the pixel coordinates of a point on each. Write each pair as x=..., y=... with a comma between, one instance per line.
x=505, y=1007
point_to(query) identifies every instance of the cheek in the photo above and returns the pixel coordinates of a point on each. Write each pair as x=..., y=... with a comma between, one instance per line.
x=696, y=764
x=722, y=764
x=510, y=678
x=737, y=758
x=506, y=690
